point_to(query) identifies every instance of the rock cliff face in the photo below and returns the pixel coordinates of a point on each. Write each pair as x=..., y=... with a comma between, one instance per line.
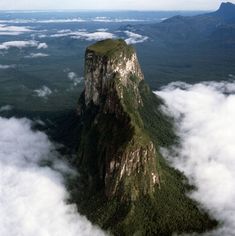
x=100, y=67
x=115, y=152
x=125, y=186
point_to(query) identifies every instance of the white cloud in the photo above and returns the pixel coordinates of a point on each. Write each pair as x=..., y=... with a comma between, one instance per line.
x=17, y=20
x=37, y=55
x=22, y=44
x=231, y=76
x=7, y=33
x=64, y=31
x=42, y=46
x=18, y=44
x=5, y=67
x=101, y=19
x=134, y=38
x=114, y=20
x=5, y=108
x=74, y=78
x=93, y=36
x=13, y=30
x=73, y=20
x=33, y=197
x=46, y=21
x=205, y=115
x=69, y=20
x=83, y=34
x=67, y=32
x=102, y=29
x=100, y=34
x=43, y=92
x=42, y=36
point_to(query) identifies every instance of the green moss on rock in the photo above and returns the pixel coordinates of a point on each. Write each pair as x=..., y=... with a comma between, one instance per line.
x=111, y=47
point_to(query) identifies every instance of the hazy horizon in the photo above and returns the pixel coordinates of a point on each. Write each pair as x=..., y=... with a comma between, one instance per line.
x=105, y=5
x=100, y=10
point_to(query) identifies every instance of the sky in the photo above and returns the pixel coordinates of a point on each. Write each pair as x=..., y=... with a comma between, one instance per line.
x=110, y=5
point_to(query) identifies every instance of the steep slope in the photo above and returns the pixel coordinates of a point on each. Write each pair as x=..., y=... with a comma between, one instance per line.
x=226, y=12
x=123, y=160
x=125, y=185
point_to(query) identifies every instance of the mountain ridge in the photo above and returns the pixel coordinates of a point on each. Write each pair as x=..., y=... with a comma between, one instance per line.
x=226, y=9
x=190, y=30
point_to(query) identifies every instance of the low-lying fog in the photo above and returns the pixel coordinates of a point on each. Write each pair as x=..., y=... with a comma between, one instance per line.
x=205, y=121
x=33, y=195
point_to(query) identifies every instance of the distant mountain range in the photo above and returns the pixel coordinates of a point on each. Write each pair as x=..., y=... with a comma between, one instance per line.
x=226, y=12
x=189, y=48
x=216, y=26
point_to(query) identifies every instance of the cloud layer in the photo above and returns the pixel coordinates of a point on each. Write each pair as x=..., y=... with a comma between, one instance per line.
x=83, y=34
x=134, y=38
x=205, y=115
x=22, y=44
x=33, y=196
x=73, y=20
x=37, y=55
x=74, y=78
x=100, y=34
x=43, y=92
x=5, y=108
x=5, y=67
x=13, y=30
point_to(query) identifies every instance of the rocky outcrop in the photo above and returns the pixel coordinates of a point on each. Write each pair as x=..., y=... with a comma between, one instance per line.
x=99, y=69
x=115, y=153
x=120, y=129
